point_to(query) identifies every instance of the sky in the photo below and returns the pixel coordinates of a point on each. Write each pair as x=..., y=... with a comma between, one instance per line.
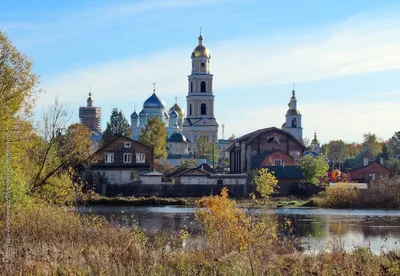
x=342, y=56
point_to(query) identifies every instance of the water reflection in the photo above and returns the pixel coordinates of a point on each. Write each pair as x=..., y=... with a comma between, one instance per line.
x=378, y=229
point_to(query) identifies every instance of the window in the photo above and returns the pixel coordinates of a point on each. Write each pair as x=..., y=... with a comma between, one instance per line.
x=109, y=157
x=213, y=140
x=127, y=157
x=140, y=157
x=277, y=162
x=195, y=138
x=190, y=109
x=191, y=86
x=134, y=176
x=294, y=122
x=127, y=144
x=203, y=109
x=203, y=86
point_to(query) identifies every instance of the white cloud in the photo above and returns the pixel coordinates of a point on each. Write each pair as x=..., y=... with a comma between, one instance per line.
x=358, y=45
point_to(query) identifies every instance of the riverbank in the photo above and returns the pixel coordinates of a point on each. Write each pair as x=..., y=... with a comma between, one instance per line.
x=51, y=240
x=189, y=202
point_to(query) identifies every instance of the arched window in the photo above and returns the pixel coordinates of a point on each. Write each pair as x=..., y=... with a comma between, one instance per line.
x=203, y=86
x=191, y=86
x=203, y=109
x=213, y=140
x=294, y=122
x=190, y=109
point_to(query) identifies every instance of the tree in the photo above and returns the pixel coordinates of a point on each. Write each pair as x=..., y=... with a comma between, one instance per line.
x=185, y=164
x=372, y=144
x=386, y=153
x=313, y=168
x=337, y=151
x=55, y=155
x=155, y=135
x=117, y=126
x=206, y=149
x=353, y=149
x=17, y=83
x=394, y=143
x=17, y=98
x=265, y=182
x=394, y=167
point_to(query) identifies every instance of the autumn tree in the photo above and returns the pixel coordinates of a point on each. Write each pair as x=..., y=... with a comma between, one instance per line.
x=265, y=182
x=313, y=168
x=353, y=149
x=206, y=149
x=55, y=154
x=337, y=151
x=372, y=144
x=155, y=135
x=17, y=98
x=17, y=83
x=117, y=126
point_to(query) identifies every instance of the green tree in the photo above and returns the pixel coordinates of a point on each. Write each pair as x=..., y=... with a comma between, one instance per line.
x=313, y=168
x=206, y=149
x=372, y=144
x=386, y=152
x=394, y=167
x=117, y=126
x=394, y=143
x=265, y=182
x=155, y=135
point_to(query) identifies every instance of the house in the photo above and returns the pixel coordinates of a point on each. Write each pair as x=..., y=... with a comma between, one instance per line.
x=371, y=171
x=271, y=158
x=361, y=160
x=261, y=144
x=122, y=160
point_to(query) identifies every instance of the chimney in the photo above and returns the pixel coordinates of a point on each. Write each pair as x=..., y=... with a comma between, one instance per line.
x=365, y=161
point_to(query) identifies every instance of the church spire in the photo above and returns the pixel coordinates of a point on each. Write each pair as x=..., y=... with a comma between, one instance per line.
x=90, y=98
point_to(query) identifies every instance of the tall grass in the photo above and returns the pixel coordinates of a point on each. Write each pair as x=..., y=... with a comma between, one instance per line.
x=383, y=193
x=50, y=240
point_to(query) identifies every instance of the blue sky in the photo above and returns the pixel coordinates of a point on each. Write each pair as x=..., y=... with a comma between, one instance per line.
x=343, y=56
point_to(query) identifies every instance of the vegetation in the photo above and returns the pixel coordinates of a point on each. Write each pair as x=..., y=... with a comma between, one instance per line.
x=118, y=126
x=50, y=240
x=134, y=201
x=313, y=168
x=206, y=149
x=372, y=144
x=383, y=193
x=155, y=135
x=265, y=183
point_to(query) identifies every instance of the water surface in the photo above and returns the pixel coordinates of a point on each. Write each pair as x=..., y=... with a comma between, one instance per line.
x=317, y=228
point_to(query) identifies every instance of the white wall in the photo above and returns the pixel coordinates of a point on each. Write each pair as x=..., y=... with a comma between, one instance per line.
x=198, y=180
x=151, y=179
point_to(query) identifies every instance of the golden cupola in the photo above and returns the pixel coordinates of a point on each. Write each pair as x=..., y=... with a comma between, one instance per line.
x=200, y=50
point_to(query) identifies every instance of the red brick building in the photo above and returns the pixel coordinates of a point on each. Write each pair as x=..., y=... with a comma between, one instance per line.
x=369, y=172
x=269, y=145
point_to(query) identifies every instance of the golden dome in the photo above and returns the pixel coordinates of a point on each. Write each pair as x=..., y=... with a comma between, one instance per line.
x=178, y=110
x=201, y=50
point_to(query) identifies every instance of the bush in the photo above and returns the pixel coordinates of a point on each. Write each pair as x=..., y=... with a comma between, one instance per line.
x=382, y=193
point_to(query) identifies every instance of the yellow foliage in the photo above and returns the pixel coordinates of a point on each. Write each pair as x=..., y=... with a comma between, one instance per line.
x=223, y=221
x=265, y=182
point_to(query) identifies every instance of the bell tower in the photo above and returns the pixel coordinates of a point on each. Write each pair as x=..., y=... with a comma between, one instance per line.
x=293, y=118
x=200, y=119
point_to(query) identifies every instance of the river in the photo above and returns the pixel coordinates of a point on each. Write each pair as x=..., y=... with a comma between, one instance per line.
x=317, y=228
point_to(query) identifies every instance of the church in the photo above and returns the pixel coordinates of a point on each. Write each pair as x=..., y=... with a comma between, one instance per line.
x=200, y=119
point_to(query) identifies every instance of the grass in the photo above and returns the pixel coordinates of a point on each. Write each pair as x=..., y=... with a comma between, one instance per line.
x=50, y=240
x=134, y=201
